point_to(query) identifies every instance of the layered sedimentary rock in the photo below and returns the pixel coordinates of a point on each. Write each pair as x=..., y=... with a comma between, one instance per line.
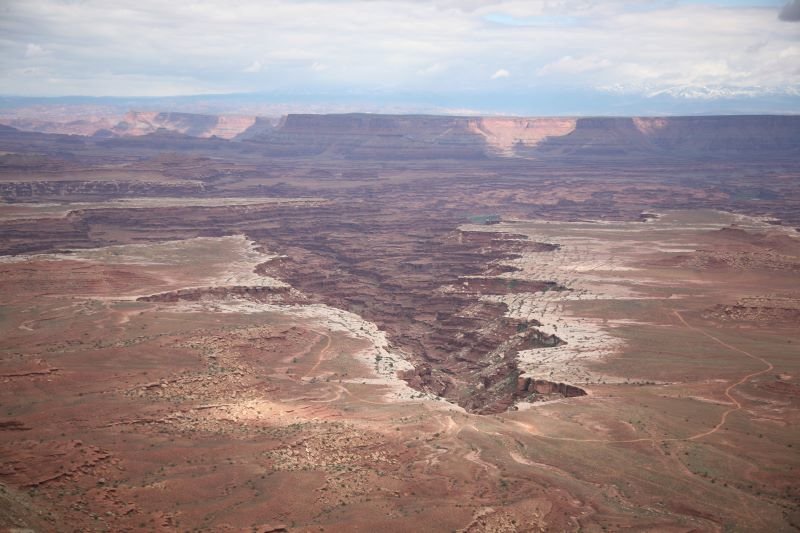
x=77, y=189
x=192, y=295
x=719, y=136
x=191, y=124
x=422, y=284
x=232, y=413
x=505, y=134
x=403, y=137
x=386, y=245
x=365, y=136
x=527, y=386
x=84, y=126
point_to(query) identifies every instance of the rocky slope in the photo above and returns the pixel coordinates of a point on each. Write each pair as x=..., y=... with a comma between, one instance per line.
x=365, y=136
x=193, y=125
x=362, y=136
x=717, y=136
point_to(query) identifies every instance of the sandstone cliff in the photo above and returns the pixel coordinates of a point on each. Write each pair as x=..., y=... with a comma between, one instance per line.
x=191, y=124
x=398, y=137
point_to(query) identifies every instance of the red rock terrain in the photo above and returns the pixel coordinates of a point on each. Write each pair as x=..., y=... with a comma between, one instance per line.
x=431, y=272
x=194, y=125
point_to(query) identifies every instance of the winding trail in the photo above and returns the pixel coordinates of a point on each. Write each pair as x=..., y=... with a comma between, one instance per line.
x=723, y=418
x=322, y=352
x=730, y=387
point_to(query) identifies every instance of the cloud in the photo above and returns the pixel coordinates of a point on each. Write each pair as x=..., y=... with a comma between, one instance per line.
x=386, y=47
x=790, y=12
x=34, y=50
x=541, y=20
x=254, y=67
x=428, y=70
x=572, y=65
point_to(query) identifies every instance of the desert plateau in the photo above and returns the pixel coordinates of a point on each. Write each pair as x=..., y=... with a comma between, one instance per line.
x=365, y=322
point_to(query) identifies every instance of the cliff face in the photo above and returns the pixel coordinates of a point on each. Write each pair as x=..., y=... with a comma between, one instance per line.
x=748, y=134
x=260, y=126
x=361, y=136
x=364, y=136
x=713, y=136
x=86, y=126
x=505, y=135
x=191, y=124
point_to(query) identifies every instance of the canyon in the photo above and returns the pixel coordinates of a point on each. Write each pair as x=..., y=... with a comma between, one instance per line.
x=331, y=322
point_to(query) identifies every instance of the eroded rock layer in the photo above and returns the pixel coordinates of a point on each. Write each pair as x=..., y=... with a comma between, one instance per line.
x=168, y=362
x=423, y=286
x=384, y=241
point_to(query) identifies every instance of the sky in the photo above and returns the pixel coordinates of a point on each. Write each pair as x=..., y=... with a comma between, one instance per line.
x=507, y=56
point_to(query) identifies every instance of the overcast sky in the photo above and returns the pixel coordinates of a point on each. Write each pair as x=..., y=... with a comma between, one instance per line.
x=700, y=50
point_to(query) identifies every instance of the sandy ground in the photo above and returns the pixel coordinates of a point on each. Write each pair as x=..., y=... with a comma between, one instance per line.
x=226, y=261
x=231, y=262
x=249, y=415
x=378, y=356
x=598, y=261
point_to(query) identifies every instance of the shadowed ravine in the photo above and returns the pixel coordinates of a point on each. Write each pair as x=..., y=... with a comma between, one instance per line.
x=421, y=281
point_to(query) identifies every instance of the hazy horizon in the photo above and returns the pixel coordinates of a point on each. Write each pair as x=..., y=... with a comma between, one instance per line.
x=266, y=106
